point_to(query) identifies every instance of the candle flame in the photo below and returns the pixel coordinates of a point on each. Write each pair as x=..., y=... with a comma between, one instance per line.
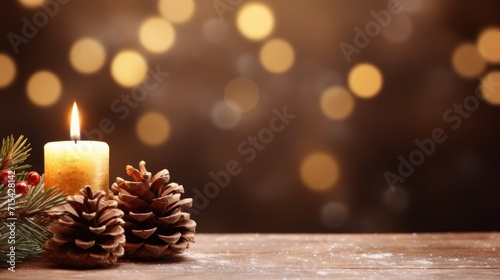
x=75, y=124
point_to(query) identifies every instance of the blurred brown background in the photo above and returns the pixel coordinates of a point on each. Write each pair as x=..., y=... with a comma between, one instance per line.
x=231, y=63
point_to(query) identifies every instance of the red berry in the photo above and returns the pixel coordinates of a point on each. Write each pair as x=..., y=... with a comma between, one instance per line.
x=33, y=178
x=22, y=187
x=4, y=177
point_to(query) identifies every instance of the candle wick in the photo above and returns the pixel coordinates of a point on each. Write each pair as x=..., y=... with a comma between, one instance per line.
x=75, y=140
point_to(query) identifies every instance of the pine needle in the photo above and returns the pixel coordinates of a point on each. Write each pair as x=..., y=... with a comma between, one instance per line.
x=14, y=153
x=30, y=209
x=36, y=201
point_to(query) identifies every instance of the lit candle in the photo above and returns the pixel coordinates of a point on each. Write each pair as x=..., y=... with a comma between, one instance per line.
x=71, y=165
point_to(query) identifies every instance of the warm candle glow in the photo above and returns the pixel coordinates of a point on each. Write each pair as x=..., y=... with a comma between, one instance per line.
x=75, y=124
x=72, y=165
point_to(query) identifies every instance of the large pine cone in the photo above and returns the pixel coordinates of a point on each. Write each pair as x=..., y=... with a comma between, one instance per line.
x=155, y=226
x=89, y=232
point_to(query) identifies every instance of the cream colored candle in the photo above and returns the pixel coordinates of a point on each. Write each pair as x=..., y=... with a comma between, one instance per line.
x=71, y=165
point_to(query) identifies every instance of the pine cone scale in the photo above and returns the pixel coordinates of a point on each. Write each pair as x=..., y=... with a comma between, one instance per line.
x=97, y=230
x=171, y=239
x=133, y=202
x=141, y=190
x=187, y=202
x=131, y=248
x=84, y=244
x=159, y=180
x=172, y=219
x=180, y=247
x=189, y=236
x=61, y=240
x=134, y=173
x=188, y=224
x=115, y=231
x=156, y=250
x=110, y=217
x=88, y=216
x=141, y=217
x=144, y=233
x=112, y=244
x=172, y=188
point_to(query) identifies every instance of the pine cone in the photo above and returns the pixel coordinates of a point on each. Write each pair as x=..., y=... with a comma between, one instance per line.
x=89, y=233
x=155, y=226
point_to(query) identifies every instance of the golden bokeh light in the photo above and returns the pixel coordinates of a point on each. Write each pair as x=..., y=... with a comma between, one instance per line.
x=365, y=80
x=319, y=171
x=8, y=70
x=44, y=88
x=255, y=21
x=277, y=56
x=467, y=61
x=32, y=4
x=177, y=11
x=336, y=103
x=129, y=68
x=157, y=35
x=488, y=44
x=87, y=55
x=490, y=87
x=153, y=129
x=241, y=94
x=224, y=117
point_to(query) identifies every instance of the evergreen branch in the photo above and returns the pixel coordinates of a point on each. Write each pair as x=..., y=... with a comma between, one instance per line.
x=31, y=210
x=26, y=247
x=32, y=213
x=37, y=201
x=14, y=153
x=30, y=230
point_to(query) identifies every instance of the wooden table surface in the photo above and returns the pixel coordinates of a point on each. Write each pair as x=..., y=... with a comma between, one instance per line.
x=306, y=256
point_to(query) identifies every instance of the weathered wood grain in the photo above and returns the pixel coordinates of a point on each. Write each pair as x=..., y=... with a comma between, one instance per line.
x=302, y=256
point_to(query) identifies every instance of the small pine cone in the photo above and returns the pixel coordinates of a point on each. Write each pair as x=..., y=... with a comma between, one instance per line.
x=155, y=226
x=89, y=233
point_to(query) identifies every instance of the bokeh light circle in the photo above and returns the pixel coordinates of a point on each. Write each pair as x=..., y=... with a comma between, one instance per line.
x=336, y=103
x=467, y=62
x=241, y=94
x=334, y=214
x=224, y=117
x=44, y=88
x=177, y=11
x=365, y=80
x=129, y=68
x=153, y=129
x=87, y=55
x=488, y=44
x=319, y=171
x=8, y=70
x=277, y=56
x=490, y=88
x=255, y=21
x=32, y=4
x=157, y=35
